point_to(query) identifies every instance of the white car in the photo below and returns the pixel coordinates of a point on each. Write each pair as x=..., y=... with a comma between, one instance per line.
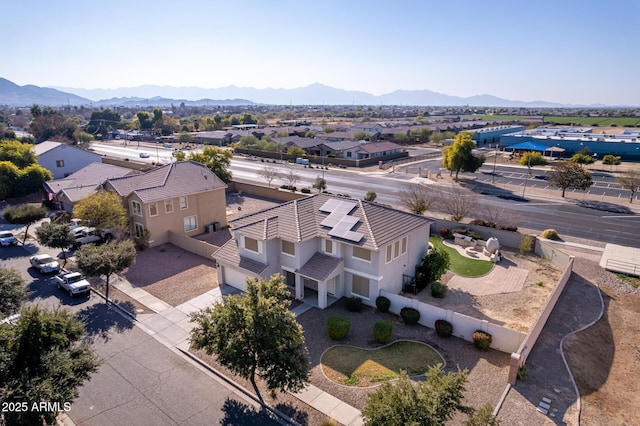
x=144, y=155
x=73, y=282
x=44, y=263
x=7, y=239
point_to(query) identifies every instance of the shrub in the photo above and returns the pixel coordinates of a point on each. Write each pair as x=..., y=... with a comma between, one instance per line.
x=523, y=373
x=338, y=326
x=526, y=244
x=354, y=304
x=444, y=328
x=511, y=228
x=383, y=304
x=476, y=235
x=445, y=233
x=438, y=290
x=482, y=340
x=410, y=316
x=305, y=191
x=382, y=331
x=550, y=234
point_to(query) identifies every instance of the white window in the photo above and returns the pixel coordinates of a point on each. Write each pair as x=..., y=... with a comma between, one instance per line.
x=59, y=163
x=251, y=244
x=138, y=230
x=183, y=203
x=328, y=246
x=288, y=248
x=153, y=209
x=396, y=249
x=136, y=208
x=190, y=223
x=360, y=286
x=168, y=206
x=362, y=253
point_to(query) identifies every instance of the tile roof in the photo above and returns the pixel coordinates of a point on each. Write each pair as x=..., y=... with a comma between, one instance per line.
x=46, y=146
x=228, y=254
x=173, y=180
x=86, y=180
x=374, y=147
x=300, y=220
x=342, y=145
x=320, y=266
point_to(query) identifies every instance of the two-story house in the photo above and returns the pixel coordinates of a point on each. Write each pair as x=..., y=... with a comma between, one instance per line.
x=181, y=197
x=326, y=247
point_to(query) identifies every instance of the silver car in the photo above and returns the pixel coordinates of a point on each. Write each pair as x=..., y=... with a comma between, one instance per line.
x=44, y=263
x=7, y=239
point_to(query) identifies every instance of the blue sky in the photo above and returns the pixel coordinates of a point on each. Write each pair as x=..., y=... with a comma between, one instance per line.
x=580, y=52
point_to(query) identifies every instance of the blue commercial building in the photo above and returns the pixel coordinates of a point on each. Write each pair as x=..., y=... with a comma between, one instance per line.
x=625, y=144
x=491, y=135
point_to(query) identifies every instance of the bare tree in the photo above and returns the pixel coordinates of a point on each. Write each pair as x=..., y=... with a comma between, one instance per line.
x=458, y=203
x=269, y=174
x=417, y=198
x=630, y=180
x=290, y=177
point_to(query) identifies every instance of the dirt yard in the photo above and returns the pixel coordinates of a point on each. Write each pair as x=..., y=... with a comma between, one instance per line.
x=172, y=274
x=516, y=310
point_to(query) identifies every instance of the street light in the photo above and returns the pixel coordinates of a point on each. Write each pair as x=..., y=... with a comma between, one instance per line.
x=526, y=178
x=495, y=158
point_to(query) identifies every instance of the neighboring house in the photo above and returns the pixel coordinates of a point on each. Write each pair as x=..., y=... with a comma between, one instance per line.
x=366, y=150
x=371, y=128
x=82, y=183
x=215, y=137
x=183, y=197
x=326, y=247
x=62, y=159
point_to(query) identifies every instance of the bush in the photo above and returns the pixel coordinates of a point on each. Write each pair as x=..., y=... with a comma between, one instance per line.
x=382, y=331
x=482, y=340
x=526, y=244
x=383, y=304
x=438, y=290
x=338, y=326
x=550, y=234
x=305, y=191
x=444, y=328
x=445, y=233
x=354, y=304
x=410, y=316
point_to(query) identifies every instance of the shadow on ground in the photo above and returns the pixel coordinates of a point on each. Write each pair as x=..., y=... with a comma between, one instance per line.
x=239, y=414
x=100, y=320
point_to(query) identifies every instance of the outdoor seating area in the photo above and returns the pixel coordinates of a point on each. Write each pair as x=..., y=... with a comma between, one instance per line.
x=471, y=248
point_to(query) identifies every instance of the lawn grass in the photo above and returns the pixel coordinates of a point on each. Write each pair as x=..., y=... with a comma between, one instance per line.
x=349, y=365
x=460, y=265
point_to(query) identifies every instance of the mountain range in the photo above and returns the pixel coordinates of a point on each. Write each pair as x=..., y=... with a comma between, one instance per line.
x=12, y=94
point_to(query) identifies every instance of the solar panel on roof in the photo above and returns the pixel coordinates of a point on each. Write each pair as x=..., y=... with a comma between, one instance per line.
x=339, y=219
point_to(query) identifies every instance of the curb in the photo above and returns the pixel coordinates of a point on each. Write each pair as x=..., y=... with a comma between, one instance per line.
x=119, y=308
x=280, y=416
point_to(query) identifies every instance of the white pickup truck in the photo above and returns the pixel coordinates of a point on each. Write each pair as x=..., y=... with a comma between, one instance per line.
x=73, y=282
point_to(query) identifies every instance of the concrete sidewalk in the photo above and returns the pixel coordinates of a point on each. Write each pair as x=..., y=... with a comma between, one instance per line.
x=170, y=326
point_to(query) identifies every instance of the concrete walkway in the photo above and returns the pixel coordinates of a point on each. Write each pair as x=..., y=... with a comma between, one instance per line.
x=170, y=326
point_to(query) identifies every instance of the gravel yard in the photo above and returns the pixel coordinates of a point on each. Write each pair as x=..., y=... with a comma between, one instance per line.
x=172, y=274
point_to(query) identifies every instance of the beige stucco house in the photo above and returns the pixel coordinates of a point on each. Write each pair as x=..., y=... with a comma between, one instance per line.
x=182, y=197
x=326, y=247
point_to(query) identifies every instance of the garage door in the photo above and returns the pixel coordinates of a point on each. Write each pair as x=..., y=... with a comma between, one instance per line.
x=234, y=278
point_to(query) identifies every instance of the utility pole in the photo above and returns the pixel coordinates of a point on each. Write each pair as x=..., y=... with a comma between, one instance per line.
x=526, y=178
x=495, y=158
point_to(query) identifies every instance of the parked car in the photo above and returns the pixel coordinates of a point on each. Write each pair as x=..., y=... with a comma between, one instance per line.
x=75, y=223
x=85, y=236
x=73, y=282
x=144, y=155
x=8, y=239
x=44, y=263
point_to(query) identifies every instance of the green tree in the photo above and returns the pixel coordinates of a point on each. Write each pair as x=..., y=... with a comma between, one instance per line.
x=430, y=402
x=20, y=154
x=296, y=151
x=320, y=184
x=12, y=291
x=106, y=259
x=630, y=180
x=9, y=173
x=328, y=129
x=483, y=417
x=185, y=138
x=371, y=196
x=31, y=178
x=216, y=159
x=567, y=174
x=42, y=358
x=102, y=210
x=532, y=158
x=255, y=334
x=144, y=120
x=179, y=155
x=459, y=157
x=583, y=158
x=55, y=235
x=48, y=123
x=361, y=136
x=434, y=264
x=24, y=214
x=612, y=160
x=248, y=142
